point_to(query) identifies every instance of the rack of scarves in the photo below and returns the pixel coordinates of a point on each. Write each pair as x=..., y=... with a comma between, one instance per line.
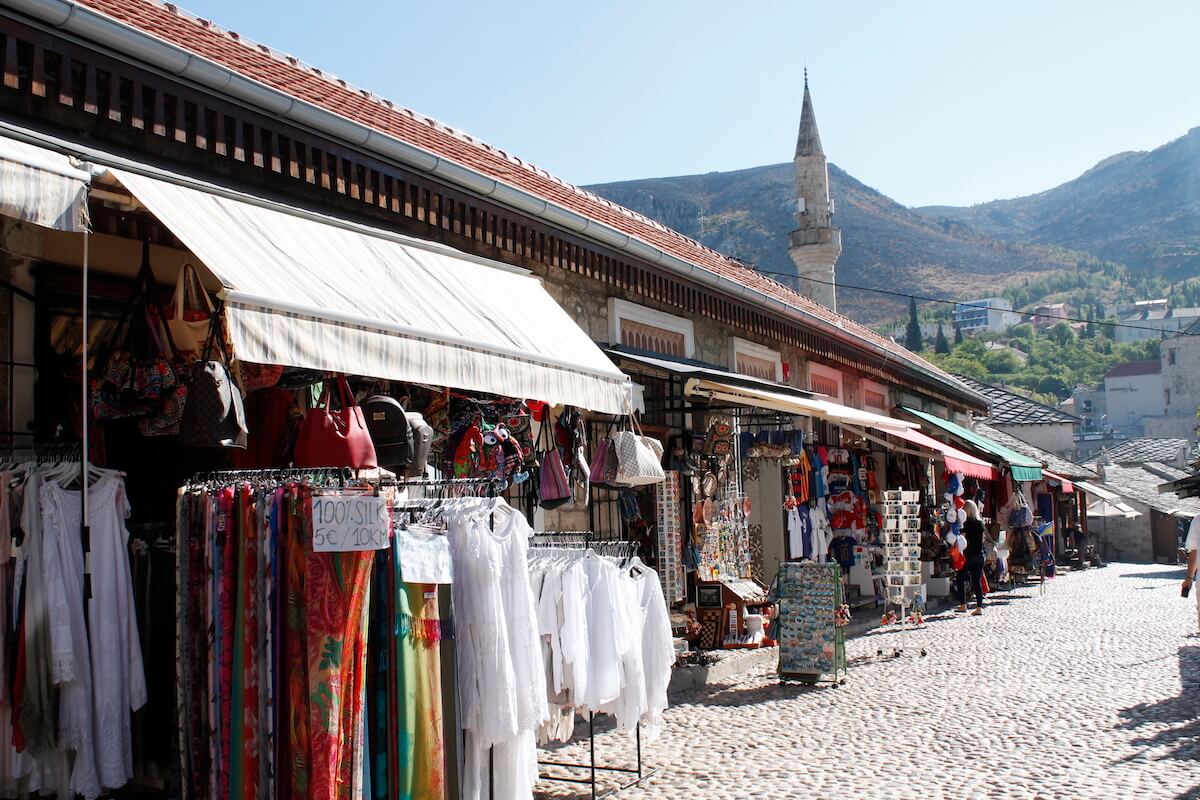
x=606, y=644
x=267, y=641
x=71, y=671
x=307, y=674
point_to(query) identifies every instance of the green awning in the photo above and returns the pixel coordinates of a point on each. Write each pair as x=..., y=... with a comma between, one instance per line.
x=1023, y=467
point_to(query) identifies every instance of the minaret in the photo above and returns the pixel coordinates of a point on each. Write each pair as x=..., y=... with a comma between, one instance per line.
x=815, y=244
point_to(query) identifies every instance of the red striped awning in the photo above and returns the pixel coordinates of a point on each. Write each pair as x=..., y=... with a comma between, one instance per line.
x=956, y=460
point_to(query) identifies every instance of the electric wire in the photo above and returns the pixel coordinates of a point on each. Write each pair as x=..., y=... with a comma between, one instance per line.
x=926, y=299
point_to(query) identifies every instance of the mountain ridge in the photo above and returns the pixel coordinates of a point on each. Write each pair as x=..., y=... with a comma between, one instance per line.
x=1140, y=209
x=747, y=214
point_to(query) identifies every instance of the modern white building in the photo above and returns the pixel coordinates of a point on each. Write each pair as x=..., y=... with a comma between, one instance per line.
x=1133, y=391
x=988, y=314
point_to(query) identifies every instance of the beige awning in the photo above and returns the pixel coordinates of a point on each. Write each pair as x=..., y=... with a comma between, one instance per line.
x=42, y=187
x=307, y=291
x=795, y=404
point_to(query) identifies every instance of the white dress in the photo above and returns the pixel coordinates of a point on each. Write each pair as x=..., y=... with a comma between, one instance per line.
x=501, y=673
x=118, y=677
x=629, y=705
x=604, y=676
x=658, y=649
x=70, y=659
x=107, y=667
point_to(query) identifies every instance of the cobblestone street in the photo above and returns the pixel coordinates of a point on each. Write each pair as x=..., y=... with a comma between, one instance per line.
x=1091, y=690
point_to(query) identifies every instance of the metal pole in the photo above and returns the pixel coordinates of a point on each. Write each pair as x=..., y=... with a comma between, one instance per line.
x=84, y=412
x=592, y=743
x=639, y=749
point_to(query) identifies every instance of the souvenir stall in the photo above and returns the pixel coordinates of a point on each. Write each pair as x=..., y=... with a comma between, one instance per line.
x=301, y=612
x=817, y=478
x=702, y=521
x=1006, y=503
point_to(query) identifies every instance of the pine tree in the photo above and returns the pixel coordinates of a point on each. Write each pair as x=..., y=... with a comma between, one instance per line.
x=941, y=344
x=958, y=335
x=912, y=334
x=1089, y=332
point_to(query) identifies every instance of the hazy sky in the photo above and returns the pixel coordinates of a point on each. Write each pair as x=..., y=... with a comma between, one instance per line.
x=930, y=102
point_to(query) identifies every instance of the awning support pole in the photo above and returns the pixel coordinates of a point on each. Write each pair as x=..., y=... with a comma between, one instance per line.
x=85, y=410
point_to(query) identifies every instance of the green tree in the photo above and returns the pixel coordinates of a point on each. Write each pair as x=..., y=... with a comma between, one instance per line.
x=1089, y=331
x=1062, y=333
x=972, y=348
x=912, y=334
x=1001, y=362
x=1022, y=330
x=958, y=335
x=941, y=344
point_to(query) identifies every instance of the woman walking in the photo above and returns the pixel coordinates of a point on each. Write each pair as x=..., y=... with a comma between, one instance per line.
x=973, y=570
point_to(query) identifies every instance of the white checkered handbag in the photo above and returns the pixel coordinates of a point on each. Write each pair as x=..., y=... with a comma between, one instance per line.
x=639, y=457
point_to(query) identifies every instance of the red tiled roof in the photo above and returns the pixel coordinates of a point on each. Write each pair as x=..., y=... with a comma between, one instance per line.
x=1151, y=366
x=287, y=74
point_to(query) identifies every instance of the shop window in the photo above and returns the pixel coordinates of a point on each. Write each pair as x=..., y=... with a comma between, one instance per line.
x=642, y=328
x=757, y=361
x=874, y=396
x=16, y=358
x=647, y=337
x=825, y=380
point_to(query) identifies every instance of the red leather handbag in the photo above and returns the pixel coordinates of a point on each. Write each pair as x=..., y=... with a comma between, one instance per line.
x=331, y=437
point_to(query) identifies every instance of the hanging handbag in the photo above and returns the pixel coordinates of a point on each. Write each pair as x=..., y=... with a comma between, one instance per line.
x=957, y=559
x=189, y=317
x=165, y=421
x=598, y=472
x=137, y=376
x=554, y=489
x=335, y=438
x=214, y=415
x=258, y=376
x=639, y=457
x=520, y=428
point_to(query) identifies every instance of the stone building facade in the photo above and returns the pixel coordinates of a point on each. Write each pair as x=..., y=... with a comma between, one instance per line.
x=1180, y=357
x=146, y=82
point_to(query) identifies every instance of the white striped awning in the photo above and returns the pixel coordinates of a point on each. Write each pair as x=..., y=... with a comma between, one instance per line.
x=805, y=405
x=42, y=187
x=308, y=291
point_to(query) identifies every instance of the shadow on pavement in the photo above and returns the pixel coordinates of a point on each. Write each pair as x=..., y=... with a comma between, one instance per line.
x=1167, y=575
x=1180, y=715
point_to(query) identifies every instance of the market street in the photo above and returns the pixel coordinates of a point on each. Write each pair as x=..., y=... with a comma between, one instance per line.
x=1090, y=691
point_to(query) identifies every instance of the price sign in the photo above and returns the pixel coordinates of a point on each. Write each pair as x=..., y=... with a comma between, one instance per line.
x=344, y=523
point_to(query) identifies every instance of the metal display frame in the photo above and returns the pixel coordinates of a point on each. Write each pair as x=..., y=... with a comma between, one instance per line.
x=587, y=540
x=781, y=592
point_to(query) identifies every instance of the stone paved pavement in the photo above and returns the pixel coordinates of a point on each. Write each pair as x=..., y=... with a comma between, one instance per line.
x=1090, y=691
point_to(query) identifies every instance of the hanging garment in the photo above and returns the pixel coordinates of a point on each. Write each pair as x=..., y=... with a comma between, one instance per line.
x=822, y=533
x=335, y=591
x=658, y=649
x=417, y=628
x=501, y=676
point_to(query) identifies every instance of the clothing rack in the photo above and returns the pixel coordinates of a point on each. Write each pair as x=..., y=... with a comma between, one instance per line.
x=585, y=540
x=442, y=489
x=342, y=475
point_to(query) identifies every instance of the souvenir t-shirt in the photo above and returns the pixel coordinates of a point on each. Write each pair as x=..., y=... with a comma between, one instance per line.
x=799, y=524
x=842, y=551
